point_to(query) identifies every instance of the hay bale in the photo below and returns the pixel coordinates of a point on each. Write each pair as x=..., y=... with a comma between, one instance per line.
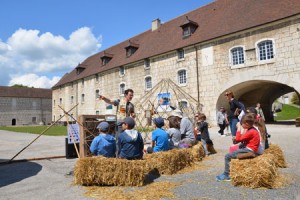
x=110, y=171
x=169, y=162
x=197, y=152
x=278, y=155
x=254, y=173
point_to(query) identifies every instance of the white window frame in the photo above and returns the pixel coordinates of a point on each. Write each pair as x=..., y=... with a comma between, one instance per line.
x=120, y=71
x=258, y=50
x=180, y=54
x=71, y=99
x=145, y=78
x=97, y=112
x=97, y=78
x=97, y=93
x=231, y=56
x=178, y=77
x=60, y=101
x=147, y=63
x=82, y=98
x=181, y=100
x=120, y=92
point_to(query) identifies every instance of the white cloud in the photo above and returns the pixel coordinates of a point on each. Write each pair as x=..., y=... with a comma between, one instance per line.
x=29, y=51
x=33, y=80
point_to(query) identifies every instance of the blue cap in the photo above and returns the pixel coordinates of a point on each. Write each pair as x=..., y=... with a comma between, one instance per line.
x=129, y=121
x=103, y=127
x=159, y=122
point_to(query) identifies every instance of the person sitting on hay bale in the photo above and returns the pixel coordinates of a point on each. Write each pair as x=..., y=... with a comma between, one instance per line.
x=130, y=141
x=160, y=138
x=202, y=127
x=251, y=140
x=186, y=128
x=260, y=126
x=174, y=132
x=104, y=144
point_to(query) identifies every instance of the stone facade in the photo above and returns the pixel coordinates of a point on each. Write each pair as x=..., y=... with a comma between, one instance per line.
x=207, y=63
x=25, y=111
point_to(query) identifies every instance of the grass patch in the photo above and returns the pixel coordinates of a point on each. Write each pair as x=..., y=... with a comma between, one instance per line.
x=288, y=112
x=53, y=131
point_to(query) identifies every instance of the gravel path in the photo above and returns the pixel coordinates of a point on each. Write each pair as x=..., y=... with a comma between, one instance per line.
x=45, y=179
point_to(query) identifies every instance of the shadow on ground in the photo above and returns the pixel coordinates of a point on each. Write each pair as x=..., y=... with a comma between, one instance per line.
x=14, y=172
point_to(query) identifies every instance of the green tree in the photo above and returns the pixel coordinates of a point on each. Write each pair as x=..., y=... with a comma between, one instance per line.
x=295, y=99
x=19, y=86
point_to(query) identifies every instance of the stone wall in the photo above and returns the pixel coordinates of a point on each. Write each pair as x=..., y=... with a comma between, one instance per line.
x=24, y=111
x=216, y=73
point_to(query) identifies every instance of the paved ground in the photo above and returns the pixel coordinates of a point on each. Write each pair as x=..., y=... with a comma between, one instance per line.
x=45, y=179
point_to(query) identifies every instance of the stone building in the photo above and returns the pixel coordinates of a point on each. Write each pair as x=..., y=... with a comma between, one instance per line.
x=25, y=106
x=249, y=47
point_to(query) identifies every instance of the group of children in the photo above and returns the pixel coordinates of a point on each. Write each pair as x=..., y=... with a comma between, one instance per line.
x=130, y=145
x=130, y=142
x=250, y=139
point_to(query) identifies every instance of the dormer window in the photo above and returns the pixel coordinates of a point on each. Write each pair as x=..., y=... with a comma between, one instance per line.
x=131, y=48
x=188, y=27
x=79, y=68
x=106, y=57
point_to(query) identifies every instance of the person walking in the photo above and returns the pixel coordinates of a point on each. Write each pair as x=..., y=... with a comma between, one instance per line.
x=221, y=119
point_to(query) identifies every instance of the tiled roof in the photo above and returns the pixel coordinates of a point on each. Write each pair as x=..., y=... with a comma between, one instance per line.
x=214, y=20
x=25, y=92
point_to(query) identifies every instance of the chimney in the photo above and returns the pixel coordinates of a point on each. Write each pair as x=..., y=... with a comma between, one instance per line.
x=155, y=24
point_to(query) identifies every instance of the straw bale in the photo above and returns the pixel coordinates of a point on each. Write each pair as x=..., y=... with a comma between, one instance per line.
x=153, y=191
x=169, y=162
x=275, y=150
x=99, y=170
x=254, y=173
x=197, y=152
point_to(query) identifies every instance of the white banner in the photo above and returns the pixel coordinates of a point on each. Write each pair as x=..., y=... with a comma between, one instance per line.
x=74, y=130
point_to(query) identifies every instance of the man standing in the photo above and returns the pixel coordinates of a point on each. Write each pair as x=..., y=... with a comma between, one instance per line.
x=233, y=112
x=124, y=107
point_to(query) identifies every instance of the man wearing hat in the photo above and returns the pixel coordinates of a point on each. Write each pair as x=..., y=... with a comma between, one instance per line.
x=130, y=142
x=186, y=128
x=160, y=138
x=104, y=144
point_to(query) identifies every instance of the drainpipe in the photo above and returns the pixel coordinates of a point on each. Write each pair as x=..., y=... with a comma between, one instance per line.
x=197, y=73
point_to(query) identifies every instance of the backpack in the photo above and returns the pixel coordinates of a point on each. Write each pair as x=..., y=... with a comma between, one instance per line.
x=241, y=107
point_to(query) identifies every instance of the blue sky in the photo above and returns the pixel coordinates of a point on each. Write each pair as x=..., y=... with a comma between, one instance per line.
x=40, y=41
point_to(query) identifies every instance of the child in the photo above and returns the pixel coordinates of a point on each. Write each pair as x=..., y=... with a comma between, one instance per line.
x=174, y=131
x=203, y=128
x=104, y=144
x=260, y=125
x=160, y=137
x=130, y=141
x=250, y=138
x=221, y=120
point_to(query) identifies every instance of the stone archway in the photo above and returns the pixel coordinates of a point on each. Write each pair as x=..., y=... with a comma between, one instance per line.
x=263, y=91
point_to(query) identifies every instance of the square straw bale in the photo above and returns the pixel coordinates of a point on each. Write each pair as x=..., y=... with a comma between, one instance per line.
x=254, y=173
x=169, y=162
x=99, y=170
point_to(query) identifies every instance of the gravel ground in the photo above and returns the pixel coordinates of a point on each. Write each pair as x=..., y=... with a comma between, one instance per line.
x=46, y=179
